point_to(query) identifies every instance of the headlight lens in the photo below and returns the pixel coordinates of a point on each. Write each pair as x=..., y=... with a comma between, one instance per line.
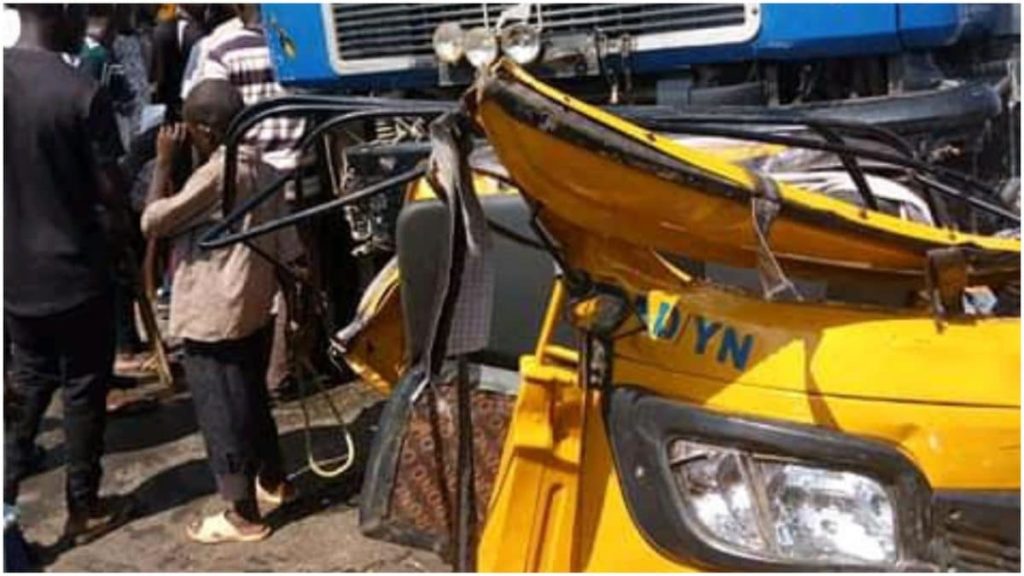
x=784, y=511
x=521, y=42
x=481, y=47
x=448, y=42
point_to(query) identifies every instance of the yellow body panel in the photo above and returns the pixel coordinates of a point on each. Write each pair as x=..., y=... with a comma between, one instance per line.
x=531, y=523
x=376, y=353
x=558, y=505
x=816, y=349
x=611, y=198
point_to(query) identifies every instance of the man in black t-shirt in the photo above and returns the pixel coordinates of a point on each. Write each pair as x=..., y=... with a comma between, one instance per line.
x=60, y=167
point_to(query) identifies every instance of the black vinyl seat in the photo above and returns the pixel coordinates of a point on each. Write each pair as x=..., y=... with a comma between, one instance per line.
x=523, y=278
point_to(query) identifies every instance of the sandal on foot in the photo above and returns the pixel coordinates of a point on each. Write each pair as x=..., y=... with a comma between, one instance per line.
x=217, y=529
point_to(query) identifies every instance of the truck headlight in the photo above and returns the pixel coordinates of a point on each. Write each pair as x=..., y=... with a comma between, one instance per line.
x=521, y=42
x=448, y=42
x=481, y=47
x=784, y=510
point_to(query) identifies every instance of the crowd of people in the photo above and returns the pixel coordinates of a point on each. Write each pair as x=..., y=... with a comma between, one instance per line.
x=115, y=116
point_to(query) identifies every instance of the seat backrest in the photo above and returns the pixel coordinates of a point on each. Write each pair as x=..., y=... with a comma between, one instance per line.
x=523, y=277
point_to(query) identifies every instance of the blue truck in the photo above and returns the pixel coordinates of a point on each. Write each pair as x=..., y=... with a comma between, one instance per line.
x=374, y=47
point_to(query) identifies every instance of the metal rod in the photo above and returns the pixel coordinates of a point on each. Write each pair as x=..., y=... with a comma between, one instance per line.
x=230, y=172
x=465, y=518
x=213, y=239
x=862, y=152
x=231, y=143
x=884, y=135
x=850, y=163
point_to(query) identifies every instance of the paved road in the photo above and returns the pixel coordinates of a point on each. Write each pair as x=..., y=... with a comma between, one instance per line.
x=157, y=457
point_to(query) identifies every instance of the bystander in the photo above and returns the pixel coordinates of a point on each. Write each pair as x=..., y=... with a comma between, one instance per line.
x=58, y=309
x=220, y=308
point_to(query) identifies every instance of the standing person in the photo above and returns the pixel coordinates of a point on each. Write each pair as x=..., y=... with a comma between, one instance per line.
x=59, y=167
x=220, y=19
x=99, y=59
x=237, y=51
x=95, y=57
x=128, y=49
x=173, y=40
x=220, y=308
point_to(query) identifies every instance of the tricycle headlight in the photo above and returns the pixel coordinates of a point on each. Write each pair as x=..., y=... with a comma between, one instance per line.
x=784, y=511
x=521, y=42
x=481, y=46
x=448, y=39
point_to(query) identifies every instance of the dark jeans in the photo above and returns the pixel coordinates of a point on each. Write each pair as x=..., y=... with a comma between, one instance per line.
x=72, y=350
x=233, y=411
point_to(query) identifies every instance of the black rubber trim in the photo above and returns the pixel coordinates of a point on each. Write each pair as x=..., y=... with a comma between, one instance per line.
x=996, y=513
x=641, y=425
x=978, y=530
x=381, y=467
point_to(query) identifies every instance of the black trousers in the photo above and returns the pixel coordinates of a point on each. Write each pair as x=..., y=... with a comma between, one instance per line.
x=227, y=380
x=127, y=335
x=74, y=351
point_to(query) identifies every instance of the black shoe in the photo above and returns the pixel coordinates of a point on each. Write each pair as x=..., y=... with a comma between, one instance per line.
x=37, y=460
x=106, y=515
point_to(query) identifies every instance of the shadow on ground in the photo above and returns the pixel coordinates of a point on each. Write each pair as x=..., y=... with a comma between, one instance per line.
x=162, y=423
x=178, y=486
x=172, y=420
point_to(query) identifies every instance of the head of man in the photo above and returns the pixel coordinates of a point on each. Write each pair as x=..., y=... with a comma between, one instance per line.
x=249, y=14
x=100, y=23
x=208, y=112
x=54, y=27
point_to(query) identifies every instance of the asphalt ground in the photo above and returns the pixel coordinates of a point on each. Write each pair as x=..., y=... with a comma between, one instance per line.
x=157, y=457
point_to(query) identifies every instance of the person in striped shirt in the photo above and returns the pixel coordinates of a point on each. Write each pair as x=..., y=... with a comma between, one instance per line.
x=237, y=51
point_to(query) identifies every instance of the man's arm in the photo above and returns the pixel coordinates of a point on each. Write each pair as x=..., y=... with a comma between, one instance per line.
x=166, y=213
x=106, y=149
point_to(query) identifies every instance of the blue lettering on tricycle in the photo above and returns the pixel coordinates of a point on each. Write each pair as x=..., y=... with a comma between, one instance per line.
x=733, y=347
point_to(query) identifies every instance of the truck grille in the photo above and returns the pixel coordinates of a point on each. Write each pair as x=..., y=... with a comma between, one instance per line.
x=981, y=532
x=376, y=31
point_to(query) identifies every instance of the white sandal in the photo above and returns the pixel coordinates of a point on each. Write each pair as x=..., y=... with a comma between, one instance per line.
x=217, y=529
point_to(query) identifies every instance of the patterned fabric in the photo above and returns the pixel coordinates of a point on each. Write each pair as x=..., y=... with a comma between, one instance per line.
x=128, y=52
x=222, y=294
x=241, y=56
x=424, y=483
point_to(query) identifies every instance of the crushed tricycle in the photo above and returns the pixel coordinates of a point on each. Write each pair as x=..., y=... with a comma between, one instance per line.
x=646, y=341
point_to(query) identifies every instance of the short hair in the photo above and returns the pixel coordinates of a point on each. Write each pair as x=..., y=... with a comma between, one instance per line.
x=99, y=10
x=213, y=103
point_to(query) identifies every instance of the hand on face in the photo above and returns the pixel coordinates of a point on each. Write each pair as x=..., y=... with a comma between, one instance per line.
x=169, y=141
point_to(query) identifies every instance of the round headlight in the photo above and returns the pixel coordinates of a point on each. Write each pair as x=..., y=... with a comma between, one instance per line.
x=448, y=40
x=521, y=42
x=481, y=47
